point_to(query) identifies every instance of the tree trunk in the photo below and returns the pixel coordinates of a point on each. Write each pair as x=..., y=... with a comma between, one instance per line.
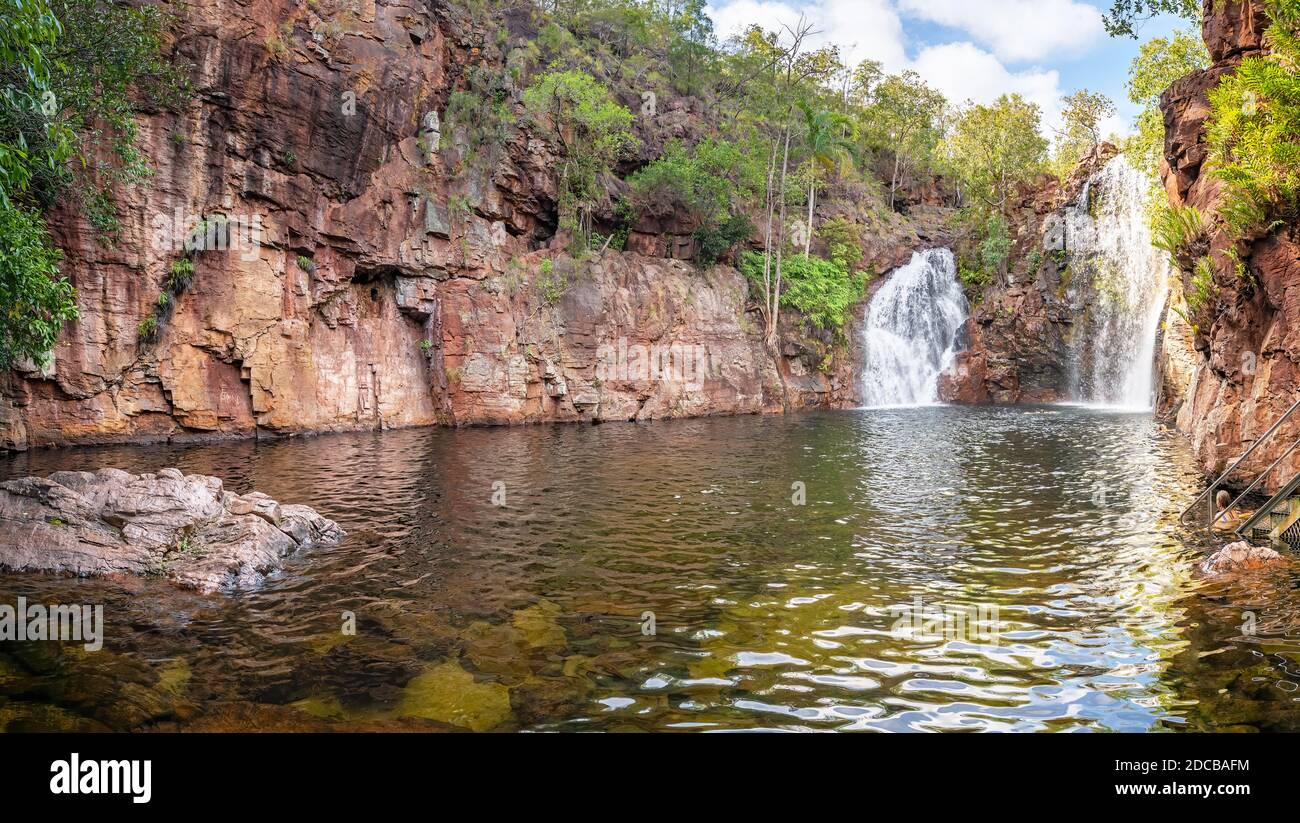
x=780, y=245
x=767, y=237
x=812, y=199
x=893, y=182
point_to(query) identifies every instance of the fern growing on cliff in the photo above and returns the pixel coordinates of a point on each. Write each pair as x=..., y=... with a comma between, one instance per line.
x=823, y=291
x=1253, y=131
x=1176, y=230
x=1203, y=289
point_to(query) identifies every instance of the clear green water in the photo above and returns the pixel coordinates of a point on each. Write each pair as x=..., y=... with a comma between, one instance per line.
x=1059, y=522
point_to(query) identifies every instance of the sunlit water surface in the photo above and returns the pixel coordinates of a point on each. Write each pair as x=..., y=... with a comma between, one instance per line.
x=1058, y=522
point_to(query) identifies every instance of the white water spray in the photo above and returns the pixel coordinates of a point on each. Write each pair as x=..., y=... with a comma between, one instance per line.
x=1120, y=280
x=911, y=331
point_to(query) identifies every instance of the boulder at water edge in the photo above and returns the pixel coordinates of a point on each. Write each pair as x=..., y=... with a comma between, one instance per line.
x=183, y=527
x=1240, y=556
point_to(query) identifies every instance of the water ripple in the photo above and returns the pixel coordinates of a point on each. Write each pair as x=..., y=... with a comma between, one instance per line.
x=1045, y=537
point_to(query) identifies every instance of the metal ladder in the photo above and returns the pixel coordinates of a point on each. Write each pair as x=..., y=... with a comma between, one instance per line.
x=1278, y=520
x=1283, y=522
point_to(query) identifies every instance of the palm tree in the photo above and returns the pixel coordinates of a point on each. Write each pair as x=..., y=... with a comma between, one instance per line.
x=827, y=146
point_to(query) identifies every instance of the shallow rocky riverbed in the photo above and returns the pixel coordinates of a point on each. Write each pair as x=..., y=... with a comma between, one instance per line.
x=444, y=611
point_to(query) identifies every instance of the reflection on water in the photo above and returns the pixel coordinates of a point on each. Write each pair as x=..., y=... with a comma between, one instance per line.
x=1058, y=523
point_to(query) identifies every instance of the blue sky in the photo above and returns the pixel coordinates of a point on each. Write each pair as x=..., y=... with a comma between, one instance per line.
x=971, y=49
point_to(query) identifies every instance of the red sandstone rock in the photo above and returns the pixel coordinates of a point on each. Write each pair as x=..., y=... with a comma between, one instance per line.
x=1239, y=557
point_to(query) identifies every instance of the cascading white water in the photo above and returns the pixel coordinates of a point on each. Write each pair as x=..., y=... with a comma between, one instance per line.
x=1119, y=280
x=911, y=331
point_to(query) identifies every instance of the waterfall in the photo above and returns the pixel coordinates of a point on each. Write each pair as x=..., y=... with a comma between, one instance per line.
x=1118, y=282
x=911, y=331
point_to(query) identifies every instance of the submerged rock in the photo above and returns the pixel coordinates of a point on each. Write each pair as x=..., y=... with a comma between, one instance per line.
x=1240, y=556
x=449, y=694
x=183, y=527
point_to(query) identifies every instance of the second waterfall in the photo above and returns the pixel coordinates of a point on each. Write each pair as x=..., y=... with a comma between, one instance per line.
x=1117, y=286
x=911, y=331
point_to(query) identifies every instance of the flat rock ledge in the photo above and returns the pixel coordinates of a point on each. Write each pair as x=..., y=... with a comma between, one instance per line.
x=1238, y=557
x=186, y=528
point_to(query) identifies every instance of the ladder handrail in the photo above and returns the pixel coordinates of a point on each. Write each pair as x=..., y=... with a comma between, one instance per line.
x=1284, y=455
x=1283, y=493
x=1219, y=480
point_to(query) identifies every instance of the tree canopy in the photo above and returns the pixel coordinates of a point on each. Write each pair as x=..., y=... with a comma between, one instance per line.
x=1125, y=17
x=994, y=148
x=1159, y=62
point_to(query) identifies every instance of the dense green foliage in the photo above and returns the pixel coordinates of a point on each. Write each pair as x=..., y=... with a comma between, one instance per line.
x=716, y=240
x=995, y=246
x=34, y=301
x=1253, y=131
x=991, y=253
x=71, y=75
x=70, y=101
x=992, y=149
x=823, y=291
x=843, y=242
x=32, y=141
x=705, y=183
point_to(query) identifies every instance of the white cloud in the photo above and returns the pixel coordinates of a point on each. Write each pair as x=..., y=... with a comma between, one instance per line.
x=1016, y=30
x=873, y=29
x=963, y=71
x=1117, y=124
x=861, y=28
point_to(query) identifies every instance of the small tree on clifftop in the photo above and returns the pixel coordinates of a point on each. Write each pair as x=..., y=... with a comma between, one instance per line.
x=992, y=149
x=1082, y=114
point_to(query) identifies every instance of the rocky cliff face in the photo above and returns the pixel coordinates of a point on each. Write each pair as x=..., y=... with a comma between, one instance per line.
x=1244, y=371
x=363, y=264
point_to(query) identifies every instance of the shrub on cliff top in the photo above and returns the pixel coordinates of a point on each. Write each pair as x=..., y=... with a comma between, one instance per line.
x=588, y=129
x=714, y=241
x=712, y=182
